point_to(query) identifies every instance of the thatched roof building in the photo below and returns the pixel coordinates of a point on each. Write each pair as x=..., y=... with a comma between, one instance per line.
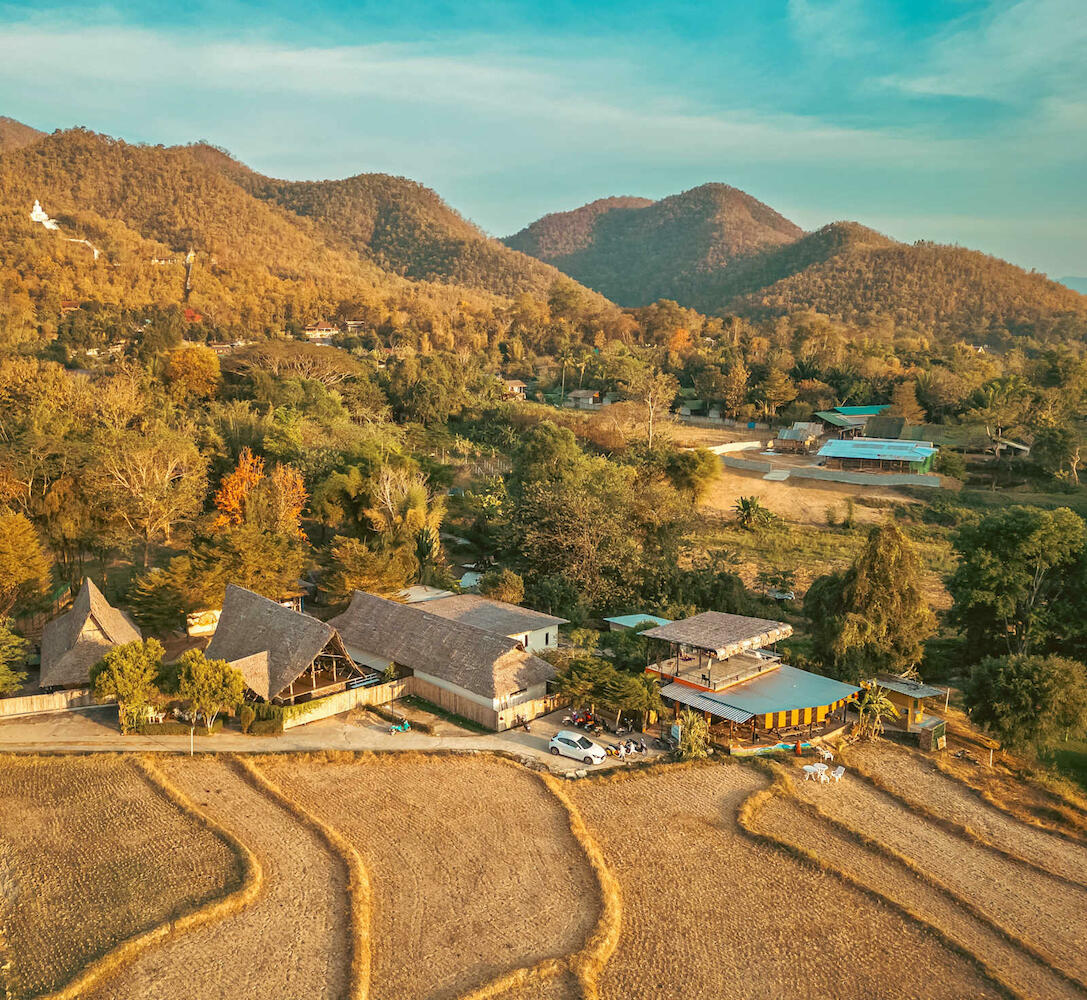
x=484, y=664
x=721, y=634
x=273, y=647
x=78, y=639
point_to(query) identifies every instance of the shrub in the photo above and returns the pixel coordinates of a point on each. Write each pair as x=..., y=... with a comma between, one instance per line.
x=247, y=715
x=172, y=727
x=266, y=727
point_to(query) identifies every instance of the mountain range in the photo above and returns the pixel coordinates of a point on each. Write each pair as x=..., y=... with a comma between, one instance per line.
x=270, y=251
x=720, y=251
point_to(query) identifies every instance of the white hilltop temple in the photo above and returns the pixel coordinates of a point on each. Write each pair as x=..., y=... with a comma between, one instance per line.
x=38, y=214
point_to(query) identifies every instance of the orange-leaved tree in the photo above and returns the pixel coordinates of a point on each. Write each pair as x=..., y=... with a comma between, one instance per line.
x=236, y=487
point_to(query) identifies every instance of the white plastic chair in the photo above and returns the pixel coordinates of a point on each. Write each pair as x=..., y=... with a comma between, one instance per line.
x=837, y=773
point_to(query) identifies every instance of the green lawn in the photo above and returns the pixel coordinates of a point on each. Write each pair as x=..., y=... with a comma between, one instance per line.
x=1070, y=760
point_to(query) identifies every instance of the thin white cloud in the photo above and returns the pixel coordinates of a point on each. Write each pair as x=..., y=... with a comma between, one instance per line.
x=1012, y=52
x=834, y=27
x=562, y=104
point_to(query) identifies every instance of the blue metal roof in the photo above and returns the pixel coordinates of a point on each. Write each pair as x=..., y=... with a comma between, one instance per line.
x=703, y=702
x=861, y=411
x=781, y=690
x=629, y=621
x=885, y=449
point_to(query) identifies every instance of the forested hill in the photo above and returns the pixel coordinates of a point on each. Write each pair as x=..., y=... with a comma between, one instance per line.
x=717, y=250
x=15, y=135
x=268, y=253
x=405, y=228
x=636, y=251
x=847, y=271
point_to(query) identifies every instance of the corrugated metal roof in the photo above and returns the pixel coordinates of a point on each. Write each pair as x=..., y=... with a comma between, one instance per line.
x=912, y=689
x=861, y=411
x=703, y=702
x=794, y=434
x=784, y=689
x=629, y=621
x=836, y=419
x=879, y=449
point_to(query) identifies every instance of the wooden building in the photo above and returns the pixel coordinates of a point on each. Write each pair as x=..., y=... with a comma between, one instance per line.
x=78, y=639
x=798, y=439
x=719, y=664
x=479, y=674
x=285, y=656
x=908, y=696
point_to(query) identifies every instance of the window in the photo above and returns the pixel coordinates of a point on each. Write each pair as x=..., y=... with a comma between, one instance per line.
x=547, y=638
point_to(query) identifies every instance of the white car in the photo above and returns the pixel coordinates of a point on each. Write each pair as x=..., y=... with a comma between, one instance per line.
x=577, y=746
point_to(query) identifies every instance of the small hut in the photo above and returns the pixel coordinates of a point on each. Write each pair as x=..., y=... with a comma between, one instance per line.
x=78, y=639
x=798, y=439
x=285, y=656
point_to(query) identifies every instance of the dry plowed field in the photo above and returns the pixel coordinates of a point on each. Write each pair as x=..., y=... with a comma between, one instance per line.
x=82, y=849
x=290, y=942
x=447, y=877
x=1033, y=905
x=916, y=780
x=786, y=819
x=474, y=870
x=710, y=913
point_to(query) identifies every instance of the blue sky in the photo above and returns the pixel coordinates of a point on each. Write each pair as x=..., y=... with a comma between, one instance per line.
x=963, y=121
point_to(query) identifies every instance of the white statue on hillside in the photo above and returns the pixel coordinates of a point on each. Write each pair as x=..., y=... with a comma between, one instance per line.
x=38, y=214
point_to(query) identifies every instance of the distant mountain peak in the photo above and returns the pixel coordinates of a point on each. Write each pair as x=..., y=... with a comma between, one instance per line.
x=635, y=250
x=16, y=135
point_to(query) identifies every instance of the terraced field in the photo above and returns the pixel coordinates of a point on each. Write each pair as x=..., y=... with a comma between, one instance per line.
x=474, y=868
x=82, y=844
x=468, y=877
x=709, y=912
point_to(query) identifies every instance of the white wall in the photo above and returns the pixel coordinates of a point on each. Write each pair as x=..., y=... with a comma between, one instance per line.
x=541, y=638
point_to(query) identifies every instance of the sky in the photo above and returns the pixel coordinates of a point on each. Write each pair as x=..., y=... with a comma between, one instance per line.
x=960, y=121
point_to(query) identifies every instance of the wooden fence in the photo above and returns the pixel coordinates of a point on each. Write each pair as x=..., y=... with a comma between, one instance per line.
x=344, y=701
x=33, y=704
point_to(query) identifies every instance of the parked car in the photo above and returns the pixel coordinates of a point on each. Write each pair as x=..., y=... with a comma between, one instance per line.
x=577, y=746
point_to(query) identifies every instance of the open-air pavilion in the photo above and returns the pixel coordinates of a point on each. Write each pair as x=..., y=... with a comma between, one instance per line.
x=723, y=665
x=286, y=657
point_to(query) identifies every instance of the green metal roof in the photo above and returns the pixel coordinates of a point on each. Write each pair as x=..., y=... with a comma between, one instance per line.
x=830, y=417
x=629, y=621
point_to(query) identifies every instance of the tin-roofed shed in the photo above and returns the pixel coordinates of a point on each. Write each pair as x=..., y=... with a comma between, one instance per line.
x=879, y=454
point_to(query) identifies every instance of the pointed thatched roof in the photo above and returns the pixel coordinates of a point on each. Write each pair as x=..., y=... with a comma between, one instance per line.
x=491, y=616
x=79, y=638
x=479, y=661
x=269, y=644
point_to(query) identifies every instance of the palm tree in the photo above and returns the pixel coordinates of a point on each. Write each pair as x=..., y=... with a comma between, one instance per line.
x=873, y=707
x=751, y=514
